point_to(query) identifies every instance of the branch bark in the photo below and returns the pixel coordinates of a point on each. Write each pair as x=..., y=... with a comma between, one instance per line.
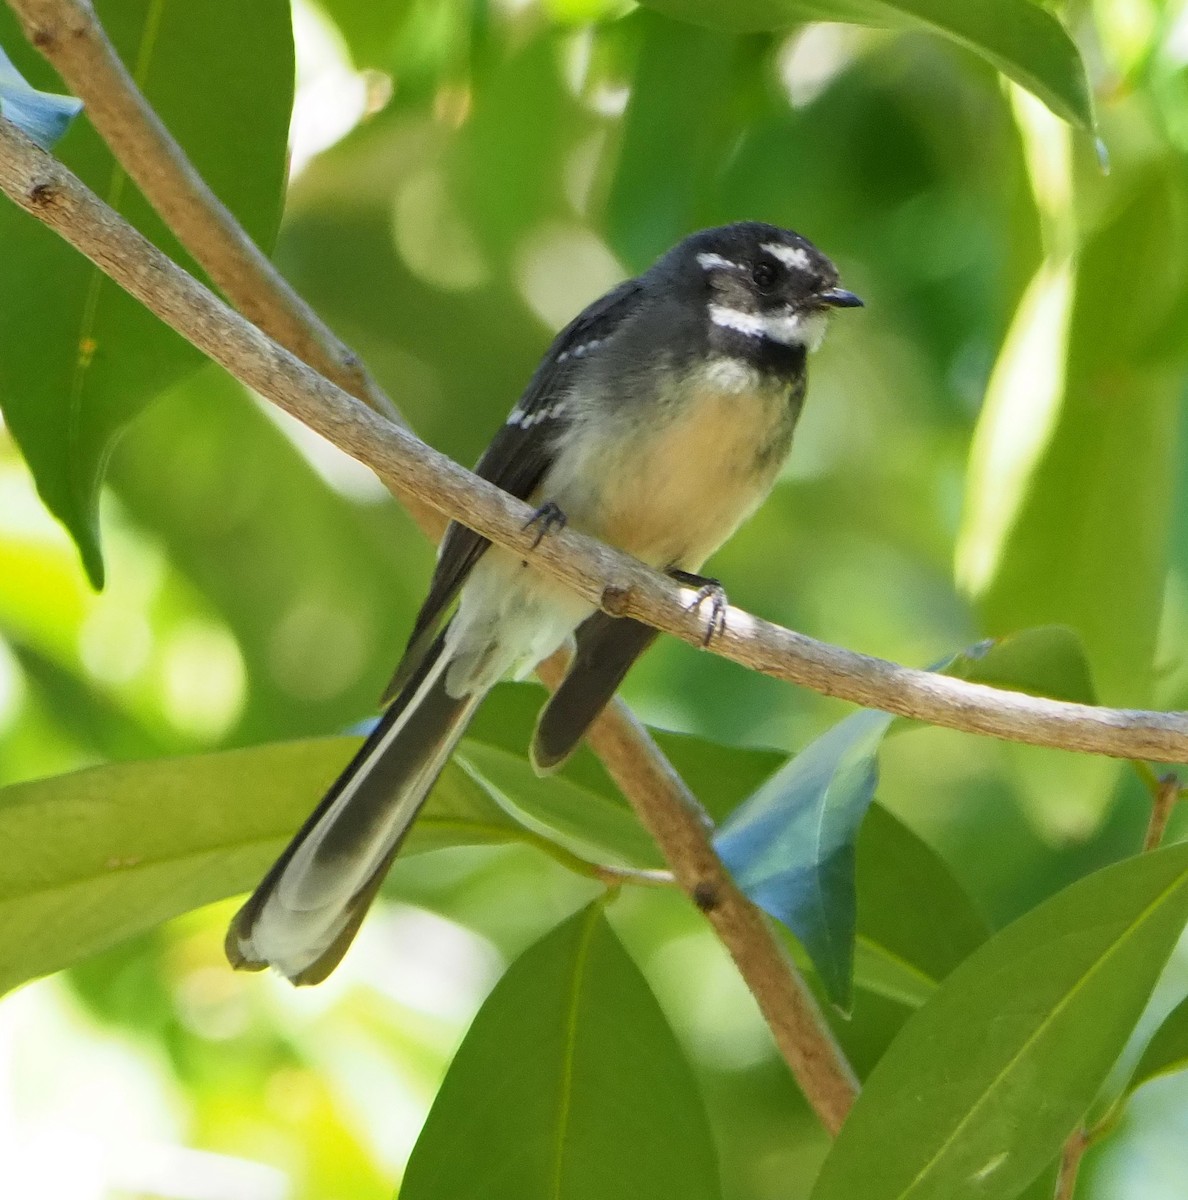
x=616, y=583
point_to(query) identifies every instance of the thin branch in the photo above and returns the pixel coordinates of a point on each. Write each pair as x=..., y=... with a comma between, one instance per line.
x=1163, y=799
x=636, y=876
x=618, y=584
x=70, y=36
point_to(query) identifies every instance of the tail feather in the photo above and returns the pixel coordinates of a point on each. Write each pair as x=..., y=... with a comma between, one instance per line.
x=606, y=648
x=305, y=913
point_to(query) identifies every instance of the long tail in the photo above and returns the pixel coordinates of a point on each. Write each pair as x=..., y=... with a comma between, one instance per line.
x=305, y=913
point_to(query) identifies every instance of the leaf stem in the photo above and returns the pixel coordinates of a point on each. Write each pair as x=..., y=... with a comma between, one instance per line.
x=1164, y=798
x=1070, y=1164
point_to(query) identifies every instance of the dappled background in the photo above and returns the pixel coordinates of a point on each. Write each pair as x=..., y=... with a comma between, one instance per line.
x=993, y=443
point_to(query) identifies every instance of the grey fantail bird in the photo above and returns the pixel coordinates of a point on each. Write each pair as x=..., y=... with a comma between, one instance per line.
x=657, y=422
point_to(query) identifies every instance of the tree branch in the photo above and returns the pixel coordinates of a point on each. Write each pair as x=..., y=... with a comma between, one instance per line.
x=618, y=584
x=69, y=35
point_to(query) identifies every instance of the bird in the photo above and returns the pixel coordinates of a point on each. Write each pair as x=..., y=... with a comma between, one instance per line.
x=657, y=421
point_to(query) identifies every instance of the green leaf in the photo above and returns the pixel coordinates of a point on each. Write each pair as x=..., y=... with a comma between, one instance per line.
x=582, y=821
x=317, y=589
x=78, y=357
x=720, y=776
x=1048, y=660
x=1023, y=40
x=674, y=137
x=506, y=720
x=44, y=116
x=135, y=844
x=909, y=905
x=915, y=923
x=790, y=847
x=976, y=1094
x=1167, y=1051
x=370, y=30
x=569, y=1086
x=1080, y=418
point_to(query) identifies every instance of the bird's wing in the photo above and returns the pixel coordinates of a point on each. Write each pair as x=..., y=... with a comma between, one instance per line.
x=517, y=458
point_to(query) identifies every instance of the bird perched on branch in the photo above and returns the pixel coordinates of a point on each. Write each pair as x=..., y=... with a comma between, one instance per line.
x=657, y=422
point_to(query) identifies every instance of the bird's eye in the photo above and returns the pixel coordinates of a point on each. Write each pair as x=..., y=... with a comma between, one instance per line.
x=764, y=275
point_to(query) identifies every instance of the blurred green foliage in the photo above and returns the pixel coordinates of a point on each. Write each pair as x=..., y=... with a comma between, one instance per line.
x=994, y=444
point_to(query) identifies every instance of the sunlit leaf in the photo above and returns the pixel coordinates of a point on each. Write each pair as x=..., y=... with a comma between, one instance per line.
x=1068, y=496
x=1068, y=499
x=44, y=116
x=1021, y=38
x=569, y=1086
x=78, y=357
x=982, y=1085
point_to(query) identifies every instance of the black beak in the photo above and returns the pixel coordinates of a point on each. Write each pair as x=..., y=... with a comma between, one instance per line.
x=836, y=297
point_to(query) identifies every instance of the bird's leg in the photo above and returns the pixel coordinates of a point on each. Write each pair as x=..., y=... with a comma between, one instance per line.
x=707, y=589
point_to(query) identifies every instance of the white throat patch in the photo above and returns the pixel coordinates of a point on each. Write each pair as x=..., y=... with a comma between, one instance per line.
x=786, y=327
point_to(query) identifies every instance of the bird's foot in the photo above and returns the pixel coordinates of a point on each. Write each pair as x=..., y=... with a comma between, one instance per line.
x=707, y=589
x=548, y=518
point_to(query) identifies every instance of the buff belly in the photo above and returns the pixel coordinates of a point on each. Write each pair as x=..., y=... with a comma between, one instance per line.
x=670, y=485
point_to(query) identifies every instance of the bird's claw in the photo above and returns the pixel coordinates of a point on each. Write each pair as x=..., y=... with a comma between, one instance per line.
x=548, y=518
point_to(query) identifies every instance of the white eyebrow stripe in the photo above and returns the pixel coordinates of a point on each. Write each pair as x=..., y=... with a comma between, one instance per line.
x=790, y=256
x=710, y=261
